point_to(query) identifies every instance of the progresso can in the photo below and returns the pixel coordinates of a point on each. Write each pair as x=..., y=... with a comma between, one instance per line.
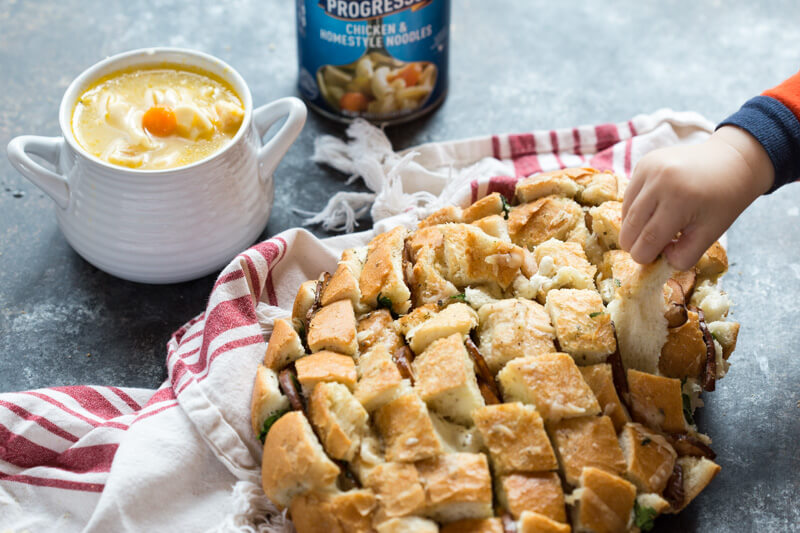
x=383, y=60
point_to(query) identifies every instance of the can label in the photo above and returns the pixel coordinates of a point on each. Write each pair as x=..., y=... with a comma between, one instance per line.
x=384, y=60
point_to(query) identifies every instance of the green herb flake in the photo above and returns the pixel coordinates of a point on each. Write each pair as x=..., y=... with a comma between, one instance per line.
x=617, y=282
x=643, y=516
x=646, y=441
x=506, y=207
x=385, y=302
x=596, y=313
x=262, y=436
x=461, y=297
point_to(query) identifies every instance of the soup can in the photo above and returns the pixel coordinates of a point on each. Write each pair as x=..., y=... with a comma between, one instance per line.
x=382, y=60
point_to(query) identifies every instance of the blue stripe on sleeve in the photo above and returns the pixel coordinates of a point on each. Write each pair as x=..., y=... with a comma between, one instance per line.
x=777, y=129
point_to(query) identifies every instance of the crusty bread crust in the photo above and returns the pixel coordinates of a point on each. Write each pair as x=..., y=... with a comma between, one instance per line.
x=294, y=461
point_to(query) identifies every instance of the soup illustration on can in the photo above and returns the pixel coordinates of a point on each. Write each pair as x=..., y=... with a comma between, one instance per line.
x=382, y=60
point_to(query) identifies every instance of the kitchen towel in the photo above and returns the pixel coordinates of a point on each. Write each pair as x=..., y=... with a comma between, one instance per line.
x=183, y=457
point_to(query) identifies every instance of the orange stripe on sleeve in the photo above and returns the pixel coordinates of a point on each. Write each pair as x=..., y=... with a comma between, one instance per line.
x=787, y=93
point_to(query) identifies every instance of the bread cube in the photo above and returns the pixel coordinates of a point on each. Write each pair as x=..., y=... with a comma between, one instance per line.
x=339, y=419
x=284, y=346
x=472, y=257
x=334, y=328
x=267, y=399
x=697, y=474
x=455, y=318
x=323, y=367
x=586, y=442
x=549, y=217
x=552, y=383
x=377, y=327
x=382, y=275
x=562, y=264
x=344, y=282
x=726, y=334
x=448, y=213
x=294, y=461
x=555, y=182
x=513, y=328
x=531, y=522
x=486, y=206
x=656, y=401
x=494, y=225
x=398, y=489
x=457, y=486
x=333, y=512
x=515, y=436
x=598, y=188
x=606, y=223
x=583, y=327
x=638, y=313
x=474, y=525
x=303, y=302
x=407, y=524
x=540, y=493
x=604, y=503
x=649, y=457
x=446, y=379
x=601, y=380
x=407, y=429
x=684, y=353
x=616, y=269
x=379, y=379
x=713, y=263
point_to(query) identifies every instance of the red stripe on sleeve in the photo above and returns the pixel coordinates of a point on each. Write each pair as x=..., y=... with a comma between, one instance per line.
x=787, y=93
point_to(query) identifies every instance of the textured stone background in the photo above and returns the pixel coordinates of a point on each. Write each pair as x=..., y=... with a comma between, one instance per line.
x=515, y=66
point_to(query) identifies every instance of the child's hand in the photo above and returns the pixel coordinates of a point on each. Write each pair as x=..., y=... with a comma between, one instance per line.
x=697, y=190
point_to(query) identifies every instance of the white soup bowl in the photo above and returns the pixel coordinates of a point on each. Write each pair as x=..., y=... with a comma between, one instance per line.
x=162, y=226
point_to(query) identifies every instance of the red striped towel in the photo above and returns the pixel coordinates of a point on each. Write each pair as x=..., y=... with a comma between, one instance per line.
x=113, y=459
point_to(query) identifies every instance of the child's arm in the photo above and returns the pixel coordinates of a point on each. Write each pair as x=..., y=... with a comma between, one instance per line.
x=699, y=190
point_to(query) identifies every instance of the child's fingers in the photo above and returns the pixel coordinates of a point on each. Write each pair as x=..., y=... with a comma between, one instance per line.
x=636, y=218
x=657, y=233
x=687, y=251
x=632, y=191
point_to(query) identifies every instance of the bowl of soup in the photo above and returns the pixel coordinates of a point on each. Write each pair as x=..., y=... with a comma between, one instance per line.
x=160, y=174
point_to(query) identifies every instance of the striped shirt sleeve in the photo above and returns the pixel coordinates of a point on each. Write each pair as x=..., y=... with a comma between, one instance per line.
x=773, y=118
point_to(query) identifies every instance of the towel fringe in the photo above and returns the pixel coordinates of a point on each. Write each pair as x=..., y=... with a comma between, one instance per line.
x=253, y=513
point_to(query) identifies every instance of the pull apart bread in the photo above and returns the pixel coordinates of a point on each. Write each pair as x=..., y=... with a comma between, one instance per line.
x=505, y=367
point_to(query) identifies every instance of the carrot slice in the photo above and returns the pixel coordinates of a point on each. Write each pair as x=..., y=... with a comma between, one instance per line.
x=160, y=121
x=410, y=74
x=353, y=102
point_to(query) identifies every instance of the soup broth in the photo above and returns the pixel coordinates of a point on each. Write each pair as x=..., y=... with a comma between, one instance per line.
x=156, y=118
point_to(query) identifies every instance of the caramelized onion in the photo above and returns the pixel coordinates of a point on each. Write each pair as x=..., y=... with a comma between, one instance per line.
x=686, y=444
x=402, y=358
x=322, y=282
x=618, y=370
x=673, y=492
x=710, y=372
x=676, y=314
x=289, y=385
x=484, y=373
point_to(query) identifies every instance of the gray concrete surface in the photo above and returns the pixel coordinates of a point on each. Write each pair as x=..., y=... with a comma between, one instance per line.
x=516, y=66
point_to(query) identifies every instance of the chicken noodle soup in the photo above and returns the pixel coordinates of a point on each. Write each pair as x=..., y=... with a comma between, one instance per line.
x=384, y=61
x=156, y=118
x=377, y=84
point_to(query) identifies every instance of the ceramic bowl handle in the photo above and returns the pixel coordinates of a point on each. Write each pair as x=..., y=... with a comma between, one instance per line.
x=264, y=117
x=48, y=148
